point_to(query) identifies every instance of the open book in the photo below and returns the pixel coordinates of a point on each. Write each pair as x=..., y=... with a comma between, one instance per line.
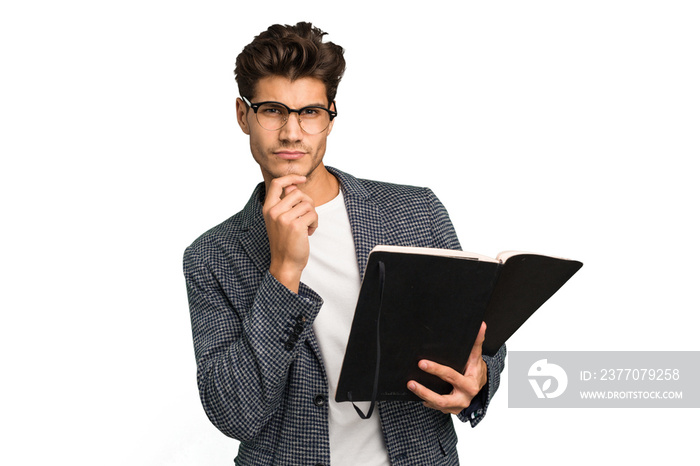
x=423, y=303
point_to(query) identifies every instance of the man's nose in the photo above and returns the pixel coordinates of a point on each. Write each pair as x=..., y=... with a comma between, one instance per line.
x=292, y=129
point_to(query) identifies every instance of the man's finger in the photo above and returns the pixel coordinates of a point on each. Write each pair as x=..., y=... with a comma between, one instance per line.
x=288, y=189
x=296, y=207
x=296, y=204
x=446, y=373
x=445, y=403
x=313, y=226
x=277, y=186
x=424, y=393
x=475, y=354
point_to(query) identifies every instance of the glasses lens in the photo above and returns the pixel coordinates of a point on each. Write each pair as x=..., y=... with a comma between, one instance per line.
x=314, y=120
x=272, y=116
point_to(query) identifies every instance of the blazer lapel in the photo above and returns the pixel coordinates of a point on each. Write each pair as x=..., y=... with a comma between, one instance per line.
x=367, y=231
x=254, y=239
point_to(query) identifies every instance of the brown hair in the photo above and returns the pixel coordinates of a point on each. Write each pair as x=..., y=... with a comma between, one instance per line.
x=293, y=52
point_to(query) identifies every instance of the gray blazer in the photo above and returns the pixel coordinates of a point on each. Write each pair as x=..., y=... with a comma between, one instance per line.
x=259, y=369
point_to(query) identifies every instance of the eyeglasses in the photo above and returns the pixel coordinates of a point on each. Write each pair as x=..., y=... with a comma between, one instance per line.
x=274, y=115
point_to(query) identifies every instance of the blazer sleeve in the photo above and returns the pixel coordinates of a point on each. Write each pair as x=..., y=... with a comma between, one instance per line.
x=445, y=237
x=243, y=355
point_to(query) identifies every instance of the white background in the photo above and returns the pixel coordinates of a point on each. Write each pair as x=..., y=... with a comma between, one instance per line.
x=561, y=127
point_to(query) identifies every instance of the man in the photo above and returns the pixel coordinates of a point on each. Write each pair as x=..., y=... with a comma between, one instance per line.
x=272, y=290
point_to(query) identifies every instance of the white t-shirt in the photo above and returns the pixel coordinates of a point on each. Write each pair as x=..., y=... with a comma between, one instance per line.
x=333, y=273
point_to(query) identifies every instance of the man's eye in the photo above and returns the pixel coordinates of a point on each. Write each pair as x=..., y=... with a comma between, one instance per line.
x=271, y=110
x=311, y=112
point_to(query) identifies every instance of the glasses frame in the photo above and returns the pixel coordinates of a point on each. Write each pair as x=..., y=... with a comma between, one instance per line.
x=255, y=106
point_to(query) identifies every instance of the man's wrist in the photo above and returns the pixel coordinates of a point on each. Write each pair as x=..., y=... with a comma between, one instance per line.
x=289, y=277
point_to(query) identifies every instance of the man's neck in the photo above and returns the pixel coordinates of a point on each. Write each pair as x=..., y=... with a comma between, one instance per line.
x=321, y=186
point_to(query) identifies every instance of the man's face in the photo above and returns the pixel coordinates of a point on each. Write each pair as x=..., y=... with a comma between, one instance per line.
x=288, y=150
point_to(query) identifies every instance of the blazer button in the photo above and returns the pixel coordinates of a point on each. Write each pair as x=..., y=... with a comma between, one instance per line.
x=288, y=345
x=319, y=400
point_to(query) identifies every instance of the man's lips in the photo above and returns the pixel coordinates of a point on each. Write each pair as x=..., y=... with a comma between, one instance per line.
x=290, y=154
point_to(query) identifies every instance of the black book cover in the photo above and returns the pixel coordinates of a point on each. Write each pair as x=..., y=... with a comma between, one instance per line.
x=524, y=283
x=432, y=306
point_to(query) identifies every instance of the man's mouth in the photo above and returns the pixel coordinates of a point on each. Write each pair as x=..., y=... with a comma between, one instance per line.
x=289, y=154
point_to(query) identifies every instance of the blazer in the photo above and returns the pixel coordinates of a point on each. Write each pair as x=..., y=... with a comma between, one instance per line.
x=259, y=370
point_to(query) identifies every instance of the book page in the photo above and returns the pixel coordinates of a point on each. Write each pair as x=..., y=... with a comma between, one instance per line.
x=505, y=255
x=434, y=252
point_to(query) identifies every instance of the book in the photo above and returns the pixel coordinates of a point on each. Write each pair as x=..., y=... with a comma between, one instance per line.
x=425, y=303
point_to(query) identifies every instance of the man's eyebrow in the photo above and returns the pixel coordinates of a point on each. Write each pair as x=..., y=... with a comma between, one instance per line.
x=315, y=105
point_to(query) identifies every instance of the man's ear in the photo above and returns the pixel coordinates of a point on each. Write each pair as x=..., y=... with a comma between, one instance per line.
x=242, y=115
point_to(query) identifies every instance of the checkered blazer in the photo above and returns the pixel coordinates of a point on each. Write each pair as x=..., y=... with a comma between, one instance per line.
x=259, y=369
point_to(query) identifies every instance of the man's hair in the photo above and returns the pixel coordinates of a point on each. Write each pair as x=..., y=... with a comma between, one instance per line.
x=292, y=52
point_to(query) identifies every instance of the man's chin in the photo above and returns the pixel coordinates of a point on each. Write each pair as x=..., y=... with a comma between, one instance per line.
x=291, y=167
x=296, y=168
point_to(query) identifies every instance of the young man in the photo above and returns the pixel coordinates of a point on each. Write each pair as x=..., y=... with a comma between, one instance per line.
x=272, y=290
